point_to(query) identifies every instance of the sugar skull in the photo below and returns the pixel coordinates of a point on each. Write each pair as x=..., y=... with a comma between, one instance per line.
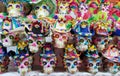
x=4, y=61
x=113, y=67
x=111, y=52
x=44, y=8
x=59, y=39
x=7, y=39
x=23, y=64
x=94, y=65
x=7, y=25
x=63, y=7
x=15, y=9
x=48, y=58
x=92, y=51
x=82, y=43
x=84, y=11
x=101, y=42
x=71, y=59
x=35, y=43
x=48, y=64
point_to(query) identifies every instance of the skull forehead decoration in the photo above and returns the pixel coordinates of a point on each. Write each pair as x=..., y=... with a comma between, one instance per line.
x=59, y=39
x=92, y=52
x=24, y=64
x=35, y=43
x=15, y=9
x=83, y=43
x=94, y=64
x=7, y=39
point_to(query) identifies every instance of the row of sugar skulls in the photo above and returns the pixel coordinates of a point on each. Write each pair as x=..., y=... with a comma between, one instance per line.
x=85, y=23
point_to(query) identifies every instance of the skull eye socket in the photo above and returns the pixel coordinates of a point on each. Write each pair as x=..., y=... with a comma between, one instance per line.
x=26, y=63
x=17, y=6
x=3, y=36
x=18, y=63
x=9, y=5
x=90, y=64
x=44, y=63
x=111, y=64
x=11, y=37
x=44, y=7
x=38, y=42
x=75, y=63
x=98, y=64
x=64, y=37
x=105, y=40
x=68, y=64
x=88, y=40
x=81, y=8
x=37, y=7
x=61, y=7
x=56, y=35
x=81, y=40
x=52, y=62
x=30, y=41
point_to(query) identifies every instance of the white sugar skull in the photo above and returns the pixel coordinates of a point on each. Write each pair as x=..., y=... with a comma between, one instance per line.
x=60, y=39
x=82, y=43
x=35, y=44
x=113, y=67
x=7, y=40
x=101, y=42
x=24, y=65
x=15, y=9
x=48, y=64
x=7, y=25
x=94, y=65
x=42, y=11
x=63, y=8
x=72, y=65
x=83, y=8
x=105, y=8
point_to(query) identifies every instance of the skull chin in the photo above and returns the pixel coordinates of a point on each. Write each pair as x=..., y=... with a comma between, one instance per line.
x=100, y=47
x=113, y=70
x=60, y=44
x=73, y=70
x=42, y=13
x=48, y=70
x=93, y=71
x=23, y=71
x=33, y=49
x=14, y=13
x=83, y=47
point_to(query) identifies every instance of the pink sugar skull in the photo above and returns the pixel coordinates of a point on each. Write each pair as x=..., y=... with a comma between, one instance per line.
x=60, y=39
x=48, y=64
x=7, y=39
x=35, y=44
x=24, y=65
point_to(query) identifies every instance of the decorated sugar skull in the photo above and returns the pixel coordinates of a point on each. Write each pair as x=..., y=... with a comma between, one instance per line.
x=94, y=65
x=15, y=9
x=83, y=43
x=4, y=61
x=59, y=39
x=101, y=42
x=7, y=25
x=35, y=43
x=44, y=8
x=48, y=58
x=71, y=59
x=105, y=7
x=112, y=53
x=7, y=39
x=92, y=51
x=23, y=64
x=103, y=28
x=113, y=67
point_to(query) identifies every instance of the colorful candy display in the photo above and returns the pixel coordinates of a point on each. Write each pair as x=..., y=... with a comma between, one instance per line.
x=84, y=30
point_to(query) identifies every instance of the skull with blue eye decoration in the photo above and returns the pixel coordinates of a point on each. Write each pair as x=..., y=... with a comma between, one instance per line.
x=94, y=64
x=112, y=67
x=71, y=59
x=44, y=8
x=48, y=58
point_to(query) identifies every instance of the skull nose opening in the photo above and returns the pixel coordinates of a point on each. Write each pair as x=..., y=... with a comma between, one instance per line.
x=6, y=40
x=48, y=66
x=34, y=44
x=21, y=67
